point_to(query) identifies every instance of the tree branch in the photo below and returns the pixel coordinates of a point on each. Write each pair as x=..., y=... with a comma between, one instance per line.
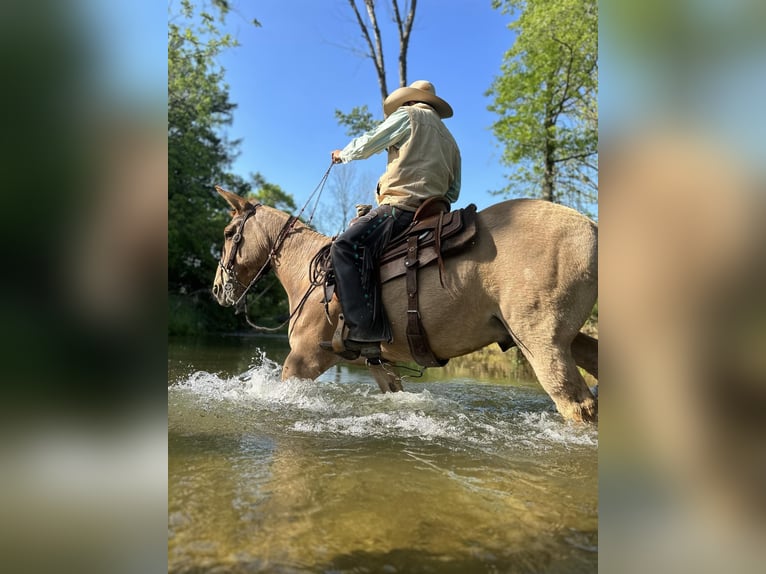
x=379, y=66
x=375, y=55
x=404, y=37
x=582, y=155
x=363, y=28
x=567, y=77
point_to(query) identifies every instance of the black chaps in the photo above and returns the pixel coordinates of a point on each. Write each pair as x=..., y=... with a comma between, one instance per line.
x=355, y=254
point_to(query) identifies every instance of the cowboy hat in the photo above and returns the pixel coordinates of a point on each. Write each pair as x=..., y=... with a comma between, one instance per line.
x=418, y=91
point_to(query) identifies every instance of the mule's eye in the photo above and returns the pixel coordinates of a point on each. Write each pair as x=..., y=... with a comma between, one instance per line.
x=228, y=233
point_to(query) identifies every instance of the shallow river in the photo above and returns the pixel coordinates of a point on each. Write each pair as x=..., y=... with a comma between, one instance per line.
x=456, y=474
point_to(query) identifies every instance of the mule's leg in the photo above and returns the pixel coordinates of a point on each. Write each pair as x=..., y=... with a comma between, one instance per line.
x=386, y=376
x=307, y=365
x=558, y=374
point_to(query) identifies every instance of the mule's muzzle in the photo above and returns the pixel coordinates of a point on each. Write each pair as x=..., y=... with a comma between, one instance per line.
x=217, y=292
x=224, y=293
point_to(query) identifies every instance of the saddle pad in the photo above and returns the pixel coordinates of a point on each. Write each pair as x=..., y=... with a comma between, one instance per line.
x=458, y=229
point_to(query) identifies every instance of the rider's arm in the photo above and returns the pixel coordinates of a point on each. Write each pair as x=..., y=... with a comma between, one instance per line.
x=394, y=130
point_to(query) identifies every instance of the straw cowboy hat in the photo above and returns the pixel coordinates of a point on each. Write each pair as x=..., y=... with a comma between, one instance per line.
x=418, y=91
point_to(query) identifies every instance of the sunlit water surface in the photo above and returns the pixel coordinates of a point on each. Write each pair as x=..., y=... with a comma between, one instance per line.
x=454, y=475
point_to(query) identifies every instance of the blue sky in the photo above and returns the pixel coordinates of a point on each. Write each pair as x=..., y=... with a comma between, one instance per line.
x=288, y=77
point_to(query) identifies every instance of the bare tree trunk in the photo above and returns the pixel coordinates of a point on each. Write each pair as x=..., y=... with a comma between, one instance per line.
x=404, y=37
x=375, y=49
x=379, y=65
x=373, y=39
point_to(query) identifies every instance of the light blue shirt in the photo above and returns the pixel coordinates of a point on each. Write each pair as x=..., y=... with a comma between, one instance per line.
x=395, y=130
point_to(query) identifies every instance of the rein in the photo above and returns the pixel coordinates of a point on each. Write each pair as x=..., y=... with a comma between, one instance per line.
x=241, y=303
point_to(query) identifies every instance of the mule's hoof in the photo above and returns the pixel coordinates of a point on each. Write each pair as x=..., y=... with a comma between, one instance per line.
x=587, y=412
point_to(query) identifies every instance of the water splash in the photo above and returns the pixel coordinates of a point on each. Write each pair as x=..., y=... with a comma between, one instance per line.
x=382, y=424
x=260, y=385
x=551, y=427
x=456, y=414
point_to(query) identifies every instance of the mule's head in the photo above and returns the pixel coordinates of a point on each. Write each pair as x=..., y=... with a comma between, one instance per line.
x=243, y=253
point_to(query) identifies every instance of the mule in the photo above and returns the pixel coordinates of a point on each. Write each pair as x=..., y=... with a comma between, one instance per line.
x=529, y=280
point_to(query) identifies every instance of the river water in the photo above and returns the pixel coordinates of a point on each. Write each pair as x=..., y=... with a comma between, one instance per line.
x=456, y=474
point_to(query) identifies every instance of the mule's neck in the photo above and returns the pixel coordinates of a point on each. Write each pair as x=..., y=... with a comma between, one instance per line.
x=292, y=258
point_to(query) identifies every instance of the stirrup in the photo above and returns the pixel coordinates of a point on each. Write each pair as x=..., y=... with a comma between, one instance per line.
x=337, y=345
x=354, y=349
x=349, y=349
x=341, y=332
x=347, y=354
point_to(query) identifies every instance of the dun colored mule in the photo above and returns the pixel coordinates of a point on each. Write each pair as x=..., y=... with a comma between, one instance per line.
x=530, y=280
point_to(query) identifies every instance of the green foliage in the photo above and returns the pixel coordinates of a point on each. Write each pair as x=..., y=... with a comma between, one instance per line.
x=199, y=158
x=358, y=121
x=546, y=99
x=198, y=106
x=270, y=194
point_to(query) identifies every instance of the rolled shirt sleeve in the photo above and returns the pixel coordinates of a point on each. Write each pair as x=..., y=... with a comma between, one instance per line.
x=394, y=130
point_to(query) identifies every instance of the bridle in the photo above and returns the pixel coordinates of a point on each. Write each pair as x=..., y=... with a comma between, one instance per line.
x=228, y=266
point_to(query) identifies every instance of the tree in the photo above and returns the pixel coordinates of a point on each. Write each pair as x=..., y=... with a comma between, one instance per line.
x=360, y=119
x=198, y=156
x=357, y=121
x=546, y=99
x=374, y=41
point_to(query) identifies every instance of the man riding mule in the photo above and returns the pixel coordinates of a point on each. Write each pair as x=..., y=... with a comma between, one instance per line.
x=423, y=163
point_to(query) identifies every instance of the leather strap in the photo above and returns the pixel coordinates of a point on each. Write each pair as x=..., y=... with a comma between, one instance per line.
x=416, y=336
x=438, y=244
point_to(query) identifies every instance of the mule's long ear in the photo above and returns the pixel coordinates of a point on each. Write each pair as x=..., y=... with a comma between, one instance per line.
x=237, y=202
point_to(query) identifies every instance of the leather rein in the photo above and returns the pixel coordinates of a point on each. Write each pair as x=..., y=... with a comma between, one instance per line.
x=228, y=267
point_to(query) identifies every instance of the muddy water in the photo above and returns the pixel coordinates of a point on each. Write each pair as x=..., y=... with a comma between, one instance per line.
x=453, y=475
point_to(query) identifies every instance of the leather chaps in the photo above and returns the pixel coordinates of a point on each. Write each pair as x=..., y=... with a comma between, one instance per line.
x=355, y=255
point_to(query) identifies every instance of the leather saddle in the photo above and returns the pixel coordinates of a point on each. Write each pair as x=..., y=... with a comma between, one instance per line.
x=438, y=232
x=435, y=232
